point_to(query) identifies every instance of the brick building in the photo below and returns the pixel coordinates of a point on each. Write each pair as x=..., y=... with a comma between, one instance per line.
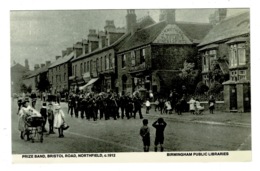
x=98, y=63
x=226, y=47
x=153, y=55
x=60, y=70
x=229, y=43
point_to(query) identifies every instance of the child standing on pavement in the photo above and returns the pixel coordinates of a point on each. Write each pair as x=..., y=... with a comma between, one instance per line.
x=148, y=105
x=145, y=134
x=159, y=125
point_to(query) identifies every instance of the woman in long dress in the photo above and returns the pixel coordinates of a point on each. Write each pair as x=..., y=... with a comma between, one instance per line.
x=59, y=120
x=25, y=112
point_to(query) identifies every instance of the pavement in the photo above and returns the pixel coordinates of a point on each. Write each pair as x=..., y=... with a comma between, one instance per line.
x=218, y=118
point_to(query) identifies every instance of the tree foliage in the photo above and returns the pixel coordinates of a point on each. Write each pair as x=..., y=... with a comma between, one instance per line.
x=43, y=84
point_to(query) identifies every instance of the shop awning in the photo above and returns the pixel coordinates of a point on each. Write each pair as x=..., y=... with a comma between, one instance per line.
x=92, y=81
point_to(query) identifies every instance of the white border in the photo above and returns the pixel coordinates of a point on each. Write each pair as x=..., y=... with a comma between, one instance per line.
x=5, y=123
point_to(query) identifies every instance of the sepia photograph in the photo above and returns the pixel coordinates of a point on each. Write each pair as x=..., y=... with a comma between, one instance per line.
x=109, y=81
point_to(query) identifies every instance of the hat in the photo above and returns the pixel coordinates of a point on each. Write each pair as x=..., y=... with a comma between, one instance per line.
x=26, y=100
x=57, y=106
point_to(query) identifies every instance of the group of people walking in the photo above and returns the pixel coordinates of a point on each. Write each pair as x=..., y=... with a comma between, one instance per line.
x=104, y=105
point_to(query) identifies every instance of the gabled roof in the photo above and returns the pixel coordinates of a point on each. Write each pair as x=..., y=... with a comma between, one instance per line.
x=194, y=31
x=62, y=60
x=228, y=28
x=145, y=21
x=144, y=36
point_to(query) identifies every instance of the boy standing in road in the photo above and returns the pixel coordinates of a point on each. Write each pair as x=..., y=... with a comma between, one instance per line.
x=50, y=118
x=159, y=125
x=145, y=134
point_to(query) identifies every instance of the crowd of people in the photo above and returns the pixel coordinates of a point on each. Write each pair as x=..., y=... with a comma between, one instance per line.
x=106, y=106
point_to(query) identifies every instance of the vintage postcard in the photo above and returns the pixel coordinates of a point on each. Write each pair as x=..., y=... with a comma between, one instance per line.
x=130, y=85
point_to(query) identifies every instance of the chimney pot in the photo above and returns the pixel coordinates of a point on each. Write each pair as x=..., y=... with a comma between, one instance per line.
x=57, y=57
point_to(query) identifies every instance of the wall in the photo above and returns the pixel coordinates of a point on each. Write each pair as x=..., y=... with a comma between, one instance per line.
x=171, y=57
x=128, y=64
x=58, y=77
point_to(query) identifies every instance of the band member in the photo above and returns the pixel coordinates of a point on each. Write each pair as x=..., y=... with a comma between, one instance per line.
x=138, y=106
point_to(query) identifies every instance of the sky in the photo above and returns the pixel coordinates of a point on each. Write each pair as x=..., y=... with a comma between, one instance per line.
x=41, y=35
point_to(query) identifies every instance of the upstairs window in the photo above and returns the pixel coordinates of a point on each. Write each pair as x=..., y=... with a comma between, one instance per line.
x=97, y=64
x=123, y=61
x=133, y=58
x=88, y=66
x=241, y=53
x=107, y=63
x=242, y=74
x=142, y=56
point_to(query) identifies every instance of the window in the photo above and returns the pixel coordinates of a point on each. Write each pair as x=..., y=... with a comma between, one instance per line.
x=84, y=67
x=133, y=58
x=88, y=67
x=142, y=56
x=101, y=66
x=64, y=76
x=97, y=65
x=233, y=76
x=205, y=61
x=75, y=70
x=241, y=52
x=112, y=61
x=242, y=74
x=107, y=62
x=81, y=68
x=206, y=80
x=233, y=58
x=123, y=61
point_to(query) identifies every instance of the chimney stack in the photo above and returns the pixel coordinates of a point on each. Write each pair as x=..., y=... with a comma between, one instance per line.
x=47, y=63
x=42, y=65
x=131, y=21
x=168, y=15
x=110, y=26
x=26, y=64
x=84, y=47
x=57, y=57
x=64, y=53
x=101, y=39
x=92, y=40
x=218, y=16
x=69, y=50
x=36, y=66
x=78, y=49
